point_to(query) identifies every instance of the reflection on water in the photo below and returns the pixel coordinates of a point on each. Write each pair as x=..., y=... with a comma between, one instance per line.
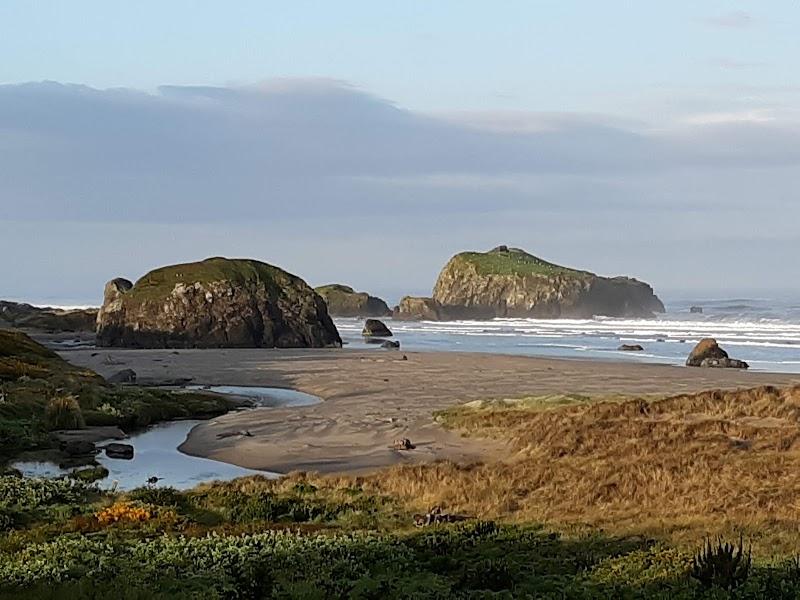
x=156, y=449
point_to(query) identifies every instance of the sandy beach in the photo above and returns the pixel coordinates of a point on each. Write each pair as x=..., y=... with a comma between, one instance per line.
x=372, y=398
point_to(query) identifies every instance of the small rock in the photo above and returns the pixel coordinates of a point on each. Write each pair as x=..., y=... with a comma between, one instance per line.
x=696, y=309
x=391, y=345
x=124, y=376
x=631, y=348
x=121, y=451
x=724, y=363
x=375, y=328
x=78, y=448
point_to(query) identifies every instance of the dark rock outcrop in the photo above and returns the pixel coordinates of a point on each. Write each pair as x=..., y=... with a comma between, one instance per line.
x=344, y=301
x=391, y=345
x=509, y=282
x=215, y=303
x=78, y=448
x=631, y=348
x=52, y=320
x=117, y=450
x=415, y=308
x=375, y=328
x=698, y=310
x=705, y=348
x=707, y=353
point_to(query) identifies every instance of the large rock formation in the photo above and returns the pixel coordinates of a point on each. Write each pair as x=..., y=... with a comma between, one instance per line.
x=344, y=301
x=25, y=316
x=218, y=302
x=509, y=282
x=416, y=308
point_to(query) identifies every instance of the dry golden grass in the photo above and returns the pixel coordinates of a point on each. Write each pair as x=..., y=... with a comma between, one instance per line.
x=681, y=467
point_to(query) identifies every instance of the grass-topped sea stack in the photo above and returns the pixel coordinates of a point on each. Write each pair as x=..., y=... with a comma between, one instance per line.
x=344, y=301
x=215, y=303
x=509, y=282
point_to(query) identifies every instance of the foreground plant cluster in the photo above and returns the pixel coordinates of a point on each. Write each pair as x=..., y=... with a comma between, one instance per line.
x=304, y=538
x=40, y=393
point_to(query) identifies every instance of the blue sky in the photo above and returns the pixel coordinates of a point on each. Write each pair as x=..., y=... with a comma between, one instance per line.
x=366, y=142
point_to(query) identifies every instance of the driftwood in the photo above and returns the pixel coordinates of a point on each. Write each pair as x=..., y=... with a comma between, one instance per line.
x=402, y=444
x=227, y=434
x=436, y=516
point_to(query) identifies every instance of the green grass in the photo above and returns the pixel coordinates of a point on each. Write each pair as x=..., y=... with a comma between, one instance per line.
x=334, y=287
x=513, y=262
x=160, y=282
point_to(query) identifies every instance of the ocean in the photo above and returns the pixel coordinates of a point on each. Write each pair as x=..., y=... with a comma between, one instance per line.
x=763, y=332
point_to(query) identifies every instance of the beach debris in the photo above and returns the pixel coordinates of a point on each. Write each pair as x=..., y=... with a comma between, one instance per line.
x=707, y=353
x=375, y=328
x=124, y=376
x=117, y=450
x=436, y=516
x=238, y=433
x=402, y=444
x=631, y=348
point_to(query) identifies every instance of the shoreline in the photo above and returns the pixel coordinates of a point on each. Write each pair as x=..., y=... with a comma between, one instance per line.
x=371, y=398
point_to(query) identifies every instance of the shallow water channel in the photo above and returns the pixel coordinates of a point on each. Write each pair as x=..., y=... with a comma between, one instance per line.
x=156, y=448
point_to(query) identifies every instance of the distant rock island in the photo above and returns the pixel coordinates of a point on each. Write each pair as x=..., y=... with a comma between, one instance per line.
x=344, y=301
x=215, y=303
x=509, y=282
x=56, y=320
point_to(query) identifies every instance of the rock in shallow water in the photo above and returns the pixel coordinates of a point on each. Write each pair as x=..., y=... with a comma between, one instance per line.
x=375, y=328
x=707, y=353
x=631, y=348
x=117, y=450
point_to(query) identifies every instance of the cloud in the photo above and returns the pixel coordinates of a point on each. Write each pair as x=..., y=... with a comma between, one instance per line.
x=737, y=19
x=337, y=184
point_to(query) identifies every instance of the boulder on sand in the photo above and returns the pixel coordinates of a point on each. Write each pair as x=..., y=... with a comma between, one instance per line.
x=375, y=328
x=707, y=353
x=391, y=345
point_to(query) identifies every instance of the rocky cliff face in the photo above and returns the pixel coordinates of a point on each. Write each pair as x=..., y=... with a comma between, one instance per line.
x=344, y=301
x=509, y=282
x=218, y=302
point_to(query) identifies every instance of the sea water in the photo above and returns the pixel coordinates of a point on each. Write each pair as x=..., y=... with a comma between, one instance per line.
x=765, y=333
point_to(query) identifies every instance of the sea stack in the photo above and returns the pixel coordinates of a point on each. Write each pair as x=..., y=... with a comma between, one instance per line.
x=344, y=301
x=509, y=282
x=215, y=303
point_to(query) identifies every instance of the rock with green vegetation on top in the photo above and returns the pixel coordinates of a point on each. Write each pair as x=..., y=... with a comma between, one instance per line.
x=55, y=320
x=215, y=303
x=344, y=301
x=509, y=282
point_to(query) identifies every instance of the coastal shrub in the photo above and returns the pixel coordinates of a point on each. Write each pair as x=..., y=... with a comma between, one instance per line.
x=63, y=412
x=724, y=565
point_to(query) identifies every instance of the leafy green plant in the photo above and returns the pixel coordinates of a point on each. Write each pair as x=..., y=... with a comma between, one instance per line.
x=724, y=565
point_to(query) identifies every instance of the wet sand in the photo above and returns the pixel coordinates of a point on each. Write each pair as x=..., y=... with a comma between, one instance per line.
x=374, y=397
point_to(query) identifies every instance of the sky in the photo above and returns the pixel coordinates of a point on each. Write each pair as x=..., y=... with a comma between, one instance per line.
x=367, y=142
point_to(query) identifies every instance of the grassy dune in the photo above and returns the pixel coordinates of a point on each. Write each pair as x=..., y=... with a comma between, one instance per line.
x=679, y=467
